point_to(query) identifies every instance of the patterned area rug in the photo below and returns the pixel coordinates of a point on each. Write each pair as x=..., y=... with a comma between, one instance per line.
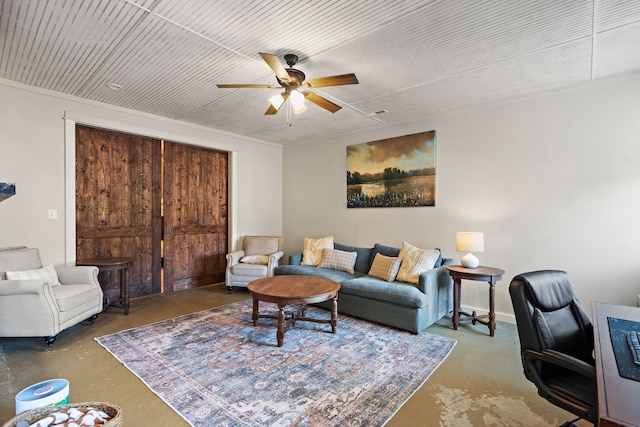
x=216, y=369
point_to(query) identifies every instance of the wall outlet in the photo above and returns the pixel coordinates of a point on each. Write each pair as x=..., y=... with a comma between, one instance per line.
x=53, y=213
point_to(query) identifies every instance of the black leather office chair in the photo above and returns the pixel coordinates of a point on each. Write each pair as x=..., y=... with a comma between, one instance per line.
x=556, y=341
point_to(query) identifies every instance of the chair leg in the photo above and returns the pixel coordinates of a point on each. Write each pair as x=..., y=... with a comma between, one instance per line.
x=93, y=319
x=230, y=288
x=49, y=341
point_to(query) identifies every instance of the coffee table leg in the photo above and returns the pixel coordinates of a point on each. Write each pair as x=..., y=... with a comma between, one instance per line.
x=280, y=333
x=254, y=314
x=334, y=314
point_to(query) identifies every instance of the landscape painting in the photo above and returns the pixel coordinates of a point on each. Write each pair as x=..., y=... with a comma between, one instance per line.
x=394, y=172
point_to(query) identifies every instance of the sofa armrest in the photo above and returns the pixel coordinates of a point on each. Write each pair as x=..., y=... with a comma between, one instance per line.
x=24, y=287
x=234, y=257
x=435, y=281
x=78, y=275
x=274, y=260
x=28, y=308
x=295, y=259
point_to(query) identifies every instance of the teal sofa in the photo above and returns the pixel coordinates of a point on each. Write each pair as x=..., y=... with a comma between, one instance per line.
x=401, y=305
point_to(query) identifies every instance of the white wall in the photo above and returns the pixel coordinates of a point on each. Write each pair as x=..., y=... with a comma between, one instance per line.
x=32, y=155
x=553, y=182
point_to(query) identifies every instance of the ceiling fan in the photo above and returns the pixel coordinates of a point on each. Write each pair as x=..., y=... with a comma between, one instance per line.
x=296, y=86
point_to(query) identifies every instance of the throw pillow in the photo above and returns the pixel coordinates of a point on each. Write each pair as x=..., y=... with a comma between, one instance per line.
x=385, y=267
x=363, y=260
x=339, y=260
x=255, y=259
x=383, y=250
x=312, y=250
x=47, y=273
x=415, y=261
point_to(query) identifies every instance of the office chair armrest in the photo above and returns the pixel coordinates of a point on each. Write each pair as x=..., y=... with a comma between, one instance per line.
x=559, y=359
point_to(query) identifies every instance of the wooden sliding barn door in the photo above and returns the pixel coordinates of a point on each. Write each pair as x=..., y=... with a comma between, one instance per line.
x=118, y=204
x=144, y=198
x=195, y=216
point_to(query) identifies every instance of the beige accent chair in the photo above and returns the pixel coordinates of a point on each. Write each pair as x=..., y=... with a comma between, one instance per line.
x=259, y=256
x=37, y=307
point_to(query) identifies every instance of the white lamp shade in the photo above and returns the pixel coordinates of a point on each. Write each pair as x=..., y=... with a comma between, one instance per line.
x=469, y=241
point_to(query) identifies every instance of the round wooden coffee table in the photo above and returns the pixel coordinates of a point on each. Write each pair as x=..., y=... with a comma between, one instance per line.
x=294, y=290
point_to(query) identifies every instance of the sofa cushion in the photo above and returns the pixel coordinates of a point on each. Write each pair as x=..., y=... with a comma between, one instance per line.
x=338, y=260
x=47, y=273
x=385, y=267
x=415, y=261
x=363, y=260
x=312, y=249
x=384, y=250
x=18, y=260
x=398, y=293
x=260, y=245
x=308, y=270
x=70, y=297
x=251, y=270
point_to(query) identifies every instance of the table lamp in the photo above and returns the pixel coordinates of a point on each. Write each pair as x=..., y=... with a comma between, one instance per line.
x=470, y=241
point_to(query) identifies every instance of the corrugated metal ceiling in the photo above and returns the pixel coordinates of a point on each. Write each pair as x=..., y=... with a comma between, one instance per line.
x=412, y=58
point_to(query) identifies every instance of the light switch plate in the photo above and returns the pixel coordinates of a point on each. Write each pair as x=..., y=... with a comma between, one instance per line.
x=53, y=213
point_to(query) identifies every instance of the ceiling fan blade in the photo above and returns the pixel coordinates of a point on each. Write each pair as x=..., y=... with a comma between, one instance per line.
x=247, y=86
x=322, y=102
x=343, y=79
x=275, y=64
x=273, y=110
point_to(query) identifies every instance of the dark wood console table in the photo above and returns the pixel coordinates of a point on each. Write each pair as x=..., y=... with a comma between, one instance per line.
x=114, y=264
x=617, y=396
x=482, y=274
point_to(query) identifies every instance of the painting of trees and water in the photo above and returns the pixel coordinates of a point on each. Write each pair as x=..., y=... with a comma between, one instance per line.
x=394, y=172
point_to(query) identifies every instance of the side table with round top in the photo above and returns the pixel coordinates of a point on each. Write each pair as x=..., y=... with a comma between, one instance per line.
x=294, y=290
x=482, y=274
x=114, y=264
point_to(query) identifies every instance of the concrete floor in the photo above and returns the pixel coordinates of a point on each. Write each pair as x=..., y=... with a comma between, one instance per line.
x=480, y=384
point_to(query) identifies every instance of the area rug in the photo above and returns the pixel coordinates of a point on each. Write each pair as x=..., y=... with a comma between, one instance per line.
x=215, y=368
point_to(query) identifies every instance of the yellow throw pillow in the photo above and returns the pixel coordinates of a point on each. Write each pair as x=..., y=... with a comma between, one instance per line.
x=384, y=267
x=312, y=250
x=415, y=261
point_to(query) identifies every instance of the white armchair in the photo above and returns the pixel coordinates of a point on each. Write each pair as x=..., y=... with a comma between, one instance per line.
x=259, y=256
x=42, y=301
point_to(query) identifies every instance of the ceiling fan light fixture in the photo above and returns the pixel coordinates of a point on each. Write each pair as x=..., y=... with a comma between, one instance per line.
x=297, y=101
x=299, y=110
x=276, y=101
x=291, y=79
